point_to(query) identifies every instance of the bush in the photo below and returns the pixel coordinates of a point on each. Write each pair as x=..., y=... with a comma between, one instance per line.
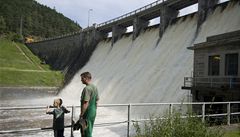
x=175, y=126
x=14, y=37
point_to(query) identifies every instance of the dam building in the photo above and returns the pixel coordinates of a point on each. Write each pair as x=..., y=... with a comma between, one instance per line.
x=216, y=70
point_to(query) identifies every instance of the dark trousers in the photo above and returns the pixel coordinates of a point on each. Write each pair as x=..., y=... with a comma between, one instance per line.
x=58, y=133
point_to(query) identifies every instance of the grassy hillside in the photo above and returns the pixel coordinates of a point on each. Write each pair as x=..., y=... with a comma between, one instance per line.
x=19, y=67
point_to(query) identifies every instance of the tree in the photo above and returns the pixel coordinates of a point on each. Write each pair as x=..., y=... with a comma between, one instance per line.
x=2, y=25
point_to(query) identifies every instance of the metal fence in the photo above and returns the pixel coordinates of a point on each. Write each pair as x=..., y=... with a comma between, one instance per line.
x=213, y=82
x=204, y=110
x=131, y=13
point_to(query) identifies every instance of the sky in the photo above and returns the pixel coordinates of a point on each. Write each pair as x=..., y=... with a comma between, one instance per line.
x=102, y=10
x=86, y=12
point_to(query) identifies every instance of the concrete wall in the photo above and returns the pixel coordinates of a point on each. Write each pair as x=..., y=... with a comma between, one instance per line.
x=67, y=54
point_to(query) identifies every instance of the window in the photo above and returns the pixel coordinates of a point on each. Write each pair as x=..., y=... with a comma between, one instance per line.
x=213, y=65
x=231, y=64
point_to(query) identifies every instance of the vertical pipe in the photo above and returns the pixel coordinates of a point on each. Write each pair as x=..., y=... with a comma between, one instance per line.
x=229, y=113
x=72, y=123
x=203, y=112
x=129, y=120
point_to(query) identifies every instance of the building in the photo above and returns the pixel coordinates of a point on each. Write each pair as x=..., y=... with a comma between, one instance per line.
x=216, y=71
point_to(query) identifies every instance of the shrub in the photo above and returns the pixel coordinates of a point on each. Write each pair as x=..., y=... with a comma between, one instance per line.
x=14, y=37
x=175, y=126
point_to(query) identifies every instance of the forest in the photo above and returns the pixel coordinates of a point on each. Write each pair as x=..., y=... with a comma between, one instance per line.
x=21, y=19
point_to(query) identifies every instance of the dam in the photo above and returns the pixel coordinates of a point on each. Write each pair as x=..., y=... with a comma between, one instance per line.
x=149, y=70
x=134, y=68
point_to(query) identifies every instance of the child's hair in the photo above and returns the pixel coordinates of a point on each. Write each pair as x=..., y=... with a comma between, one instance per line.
x=58, y=102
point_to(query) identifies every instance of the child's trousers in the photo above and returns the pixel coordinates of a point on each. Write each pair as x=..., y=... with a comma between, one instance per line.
x=58, y=133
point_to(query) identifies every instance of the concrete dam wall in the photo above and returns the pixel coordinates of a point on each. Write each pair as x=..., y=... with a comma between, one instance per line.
x=148, y=69
x=70, y=53
x=67, y=53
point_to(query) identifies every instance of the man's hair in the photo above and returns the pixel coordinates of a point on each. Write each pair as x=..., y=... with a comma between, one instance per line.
x=86, y=75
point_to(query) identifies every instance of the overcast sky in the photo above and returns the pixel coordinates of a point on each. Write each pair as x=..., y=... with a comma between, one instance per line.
x=102, y=10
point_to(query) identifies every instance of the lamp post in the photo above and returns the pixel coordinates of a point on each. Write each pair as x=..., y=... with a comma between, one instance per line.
x=89, y=15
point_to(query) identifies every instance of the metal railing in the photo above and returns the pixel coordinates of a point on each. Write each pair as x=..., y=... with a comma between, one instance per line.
x=107, y=22
x=131, y=13
x=213, y=82
x=229, y=110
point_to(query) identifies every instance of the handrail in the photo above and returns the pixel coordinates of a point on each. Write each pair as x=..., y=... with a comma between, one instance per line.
x=131, y=13
x=109, y=21
x=129, y=120
x=132, y=104
x=229, y=80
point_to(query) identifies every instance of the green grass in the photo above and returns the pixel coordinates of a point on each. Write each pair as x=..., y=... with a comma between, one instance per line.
x=175, y=126
x=18, y=78
x=22, y=68
x=232, y=134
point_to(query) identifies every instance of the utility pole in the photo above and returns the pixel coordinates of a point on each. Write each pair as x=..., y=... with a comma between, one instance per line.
x=21, y=27
x=89, y=15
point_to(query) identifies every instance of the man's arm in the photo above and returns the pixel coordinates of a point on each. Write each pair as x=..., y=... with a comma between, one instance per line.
x=84, y=108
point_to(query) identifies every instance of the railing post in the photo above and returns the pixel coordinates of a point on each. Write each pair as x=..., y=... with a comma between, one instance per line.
x=229, y=113
x=171, y=112
x=230, y=83
x=170, y=109
x=129, y=120
x=203, y=112
x=72, y=122
x=195, y=81
x=211, y=82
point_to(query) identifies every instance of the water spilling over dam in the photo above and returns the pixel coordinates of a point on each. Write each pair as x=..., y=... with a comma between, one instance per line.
x=148, y=70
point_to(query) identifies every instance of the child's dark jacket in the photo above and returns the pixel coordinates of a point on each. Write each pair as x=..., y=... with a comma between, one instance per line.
x=58, y=117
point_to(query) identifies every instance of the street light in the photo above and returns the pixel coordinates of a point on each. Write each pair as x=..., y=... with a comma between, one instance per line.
x=89, y=15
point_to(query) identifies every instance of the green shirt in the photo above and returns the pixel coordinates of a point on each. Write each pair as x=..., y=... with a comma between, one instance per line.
x=90, y=94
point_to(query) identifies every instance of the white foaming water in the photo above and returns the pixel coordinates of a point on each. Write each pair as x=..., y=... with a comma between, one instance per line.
x=141, y=70
x=146, y=71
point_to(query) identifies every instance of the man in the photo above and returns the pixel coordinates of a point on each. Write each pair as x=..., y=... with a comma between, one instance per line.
x=89, y=100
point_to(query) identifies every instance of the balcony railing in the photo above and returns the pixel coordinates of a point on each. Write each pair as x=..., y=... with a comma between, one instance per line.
x=213, y=82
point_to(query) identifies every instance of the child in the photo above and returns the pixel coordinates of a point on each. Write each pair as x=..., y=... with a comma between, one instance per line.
x=58, y=117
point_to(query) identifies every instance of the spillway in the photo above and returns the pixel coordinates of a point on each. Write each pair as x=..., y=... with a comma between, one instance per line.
x=149, y=70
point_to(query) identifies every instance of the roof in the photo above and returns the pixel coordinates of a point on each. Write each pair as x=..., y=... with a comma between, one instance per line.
x=219, y=40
